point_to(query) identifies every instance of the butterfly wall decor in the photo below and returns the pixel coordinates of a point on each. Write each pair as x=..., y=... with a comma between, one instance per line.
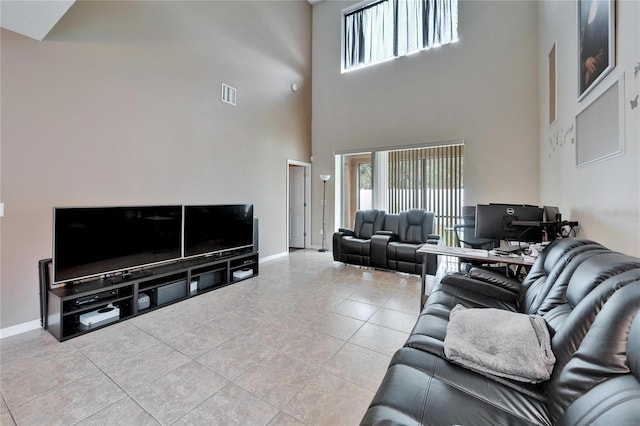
x=634, y=102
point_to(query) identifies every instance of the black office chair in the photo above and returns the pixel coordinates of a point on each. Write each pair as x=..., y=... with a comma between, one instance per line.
x=465, y=234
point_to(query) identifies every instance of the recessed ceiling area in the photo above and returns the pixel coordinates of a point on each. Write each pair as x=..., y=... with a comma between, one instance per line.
x=34, y=18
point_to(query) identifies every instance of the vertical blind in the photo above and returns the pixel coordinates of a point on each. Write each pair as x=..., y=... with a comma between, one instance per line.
x=391, y=28
x=428, y=178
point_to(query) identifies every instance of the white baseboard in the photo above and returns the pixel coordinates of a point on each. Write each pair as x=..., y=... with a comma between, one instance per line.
x=20, y=328
x=274, y=257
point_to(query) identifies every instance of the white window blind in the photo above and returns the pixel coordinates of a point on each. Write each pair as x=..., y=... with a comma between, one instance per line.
x=390, y=28
x=428, y=178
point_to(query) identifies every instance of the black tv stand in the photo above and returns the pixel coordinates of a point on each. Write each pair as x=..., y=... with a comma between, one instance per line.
x=127, y=275
x=164, y=284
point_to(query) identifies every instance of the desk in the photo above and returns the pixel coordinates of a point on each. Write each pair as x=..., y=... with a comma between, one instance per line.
x=467, y=253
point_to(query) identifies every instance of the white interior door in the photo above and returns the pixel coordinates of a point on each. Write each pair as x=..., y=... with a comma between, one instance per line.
x=296, y=206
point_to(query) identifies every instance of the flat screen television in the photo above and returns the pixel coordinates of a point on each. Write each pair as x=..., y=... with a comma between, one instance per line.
x=496, y=221
x=215, y=229
x=97, y=241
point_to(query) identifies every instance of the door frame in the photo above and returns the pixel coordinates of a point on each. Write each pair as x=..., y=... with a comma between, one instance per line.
x=307, y=201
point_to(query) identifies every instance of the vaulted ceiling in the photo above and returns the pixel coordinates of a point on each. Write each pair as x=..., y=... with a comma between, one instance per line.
x=35, y=18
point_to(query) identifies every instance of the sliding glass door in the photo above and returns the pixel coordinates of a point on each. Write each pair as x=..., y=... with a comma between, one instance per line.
x=357, y=178
x=427, y=177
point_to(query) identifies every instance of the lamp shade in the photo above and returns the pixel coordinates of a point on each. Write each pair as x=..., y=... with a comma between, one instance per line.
x=325, y=177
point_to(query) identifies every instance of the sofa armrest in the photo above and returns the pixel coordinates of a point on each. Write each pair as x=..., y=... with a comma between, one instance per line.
x=346, y=232
x=496, y=278
x=379, y=248
x=337, y=245
x=432, y=260
x=435, y=240
x=478, y=286
x=392, y=236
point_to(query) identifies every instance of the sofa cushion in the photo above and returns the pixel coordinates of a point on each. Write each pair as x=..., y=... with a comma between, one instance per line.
x=613, y=402
x=391, y=222
x=404, y=252
x=356, y=246
x=570, y=322
x=601, y=356
x=544, y=289
x=367, y=223
x=421, y=388
x=415, y=225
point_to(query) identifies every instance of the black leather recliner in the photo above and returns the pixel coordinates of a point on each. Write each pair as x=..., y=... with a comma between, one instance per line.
x=589, y=297
x=398, y=250
x=354, y=245
x=544, y=288
x=388, y=241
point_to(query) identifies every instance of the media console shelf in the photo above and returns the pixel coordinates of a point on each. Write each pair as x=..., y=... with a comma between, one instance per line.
x=77, y=309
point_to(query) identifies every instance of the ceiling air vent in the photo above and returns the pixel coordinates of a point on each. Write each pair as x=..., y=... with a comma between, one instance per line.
x=229, y=94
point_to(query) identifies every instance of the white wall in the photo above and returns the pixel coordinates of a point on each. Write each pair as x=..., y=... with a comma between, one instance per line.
x=604, y=197
x=120, y=105
x=482, y=89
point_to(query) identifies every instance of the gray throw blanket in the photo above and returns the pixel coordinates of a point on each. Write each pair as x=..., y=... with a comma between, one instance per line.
x=501, y=343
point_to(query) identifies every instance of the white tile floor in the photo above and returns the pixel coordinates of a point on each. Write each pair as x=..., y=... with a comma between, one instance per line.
x=304, y=343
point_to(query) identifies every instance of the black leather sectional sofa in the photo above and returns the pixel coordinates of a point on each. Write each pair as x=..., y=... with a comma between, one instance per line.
x=388, y=241
x=589, y=297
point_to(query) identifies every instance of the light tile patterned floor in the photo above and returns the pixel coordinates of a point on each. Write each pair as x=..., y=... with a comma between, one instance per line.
x=304, y=343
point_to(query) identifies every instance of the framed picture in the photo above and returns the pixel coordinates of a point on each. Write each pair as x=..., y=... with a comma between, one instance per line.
x=596, y=43
x=600, y=126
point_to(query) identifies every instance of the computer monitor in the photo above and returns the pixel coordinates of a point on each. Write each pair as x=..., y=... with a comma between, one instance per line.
x=509, y=222
x=552, y=214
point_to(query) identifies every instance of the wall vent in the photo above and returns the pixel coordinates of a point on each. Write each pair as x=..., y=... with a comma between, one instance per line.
x=229, y=94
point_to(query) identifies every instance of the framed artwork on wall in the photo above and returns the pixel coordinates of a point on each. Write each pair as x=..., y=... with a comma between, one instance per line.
x=596, y=43
x=600, y=126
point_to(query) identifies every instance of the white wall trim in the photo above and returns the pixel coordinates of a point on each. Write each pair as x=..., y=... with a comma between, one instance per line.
x=274, y=257
x=19, y=329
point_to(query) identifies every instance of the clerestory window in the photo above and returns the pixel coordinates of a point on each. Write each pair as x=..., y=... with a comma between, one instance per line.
x=387, y=29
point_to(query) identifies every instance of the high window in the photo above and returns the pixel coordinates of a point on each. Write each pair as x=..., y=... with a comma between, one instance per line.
x=387, y=29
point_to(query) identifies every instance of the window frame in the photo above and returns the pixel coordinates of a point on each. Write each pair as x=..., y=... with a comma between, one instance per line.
x=363, y=5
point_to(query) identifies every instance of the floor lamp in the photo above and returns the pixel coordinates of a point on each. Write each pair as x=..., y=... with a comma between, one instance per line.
x=324, y=178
